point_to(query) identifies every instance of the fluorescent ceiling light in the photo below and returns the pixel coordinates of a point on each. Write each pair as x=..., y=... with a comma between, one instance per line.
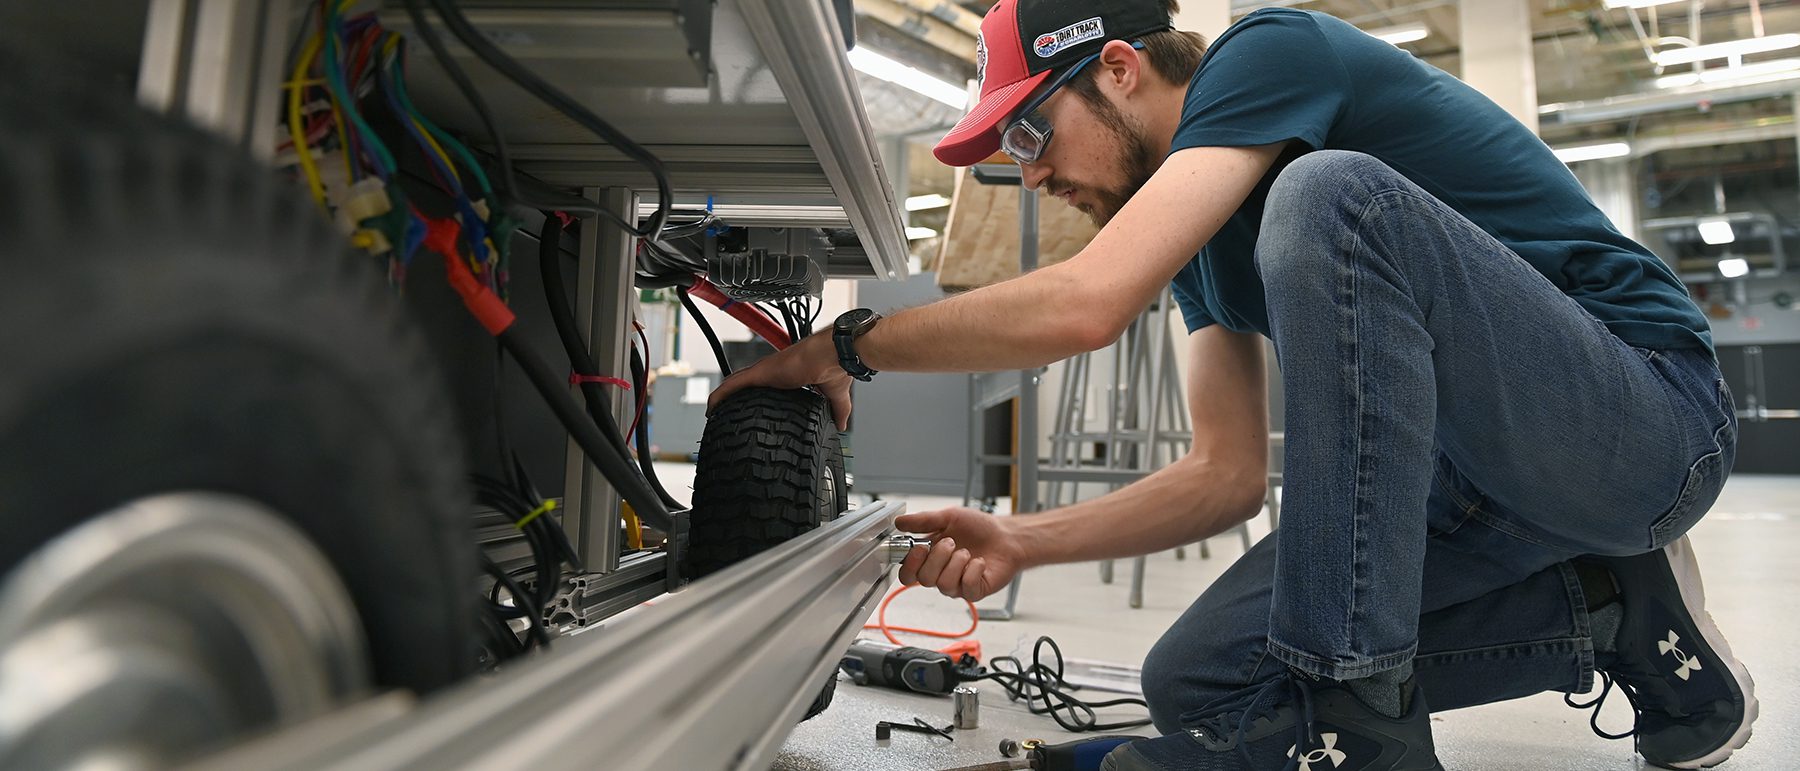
x=1716, y=231
x=1727, y=49
x=1405, y=33
x=1580, y=153
x=875, y=65
x=1728, y=74
x=1732, y=267
x=928, y=201
x=1610, y=4
x=914, y=234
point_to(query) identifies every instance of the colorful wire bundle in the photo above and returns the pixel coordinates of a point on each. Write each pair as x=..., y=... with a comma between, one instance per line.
x=344, y=60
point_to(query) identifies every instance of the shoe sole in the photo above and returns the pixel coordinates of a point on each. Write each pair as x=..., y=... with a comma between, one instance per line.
x=1686, y=572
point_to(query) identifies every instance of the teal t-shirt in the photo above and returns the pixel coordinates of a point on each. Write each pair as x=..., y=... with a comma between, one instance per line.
x=1282, y=74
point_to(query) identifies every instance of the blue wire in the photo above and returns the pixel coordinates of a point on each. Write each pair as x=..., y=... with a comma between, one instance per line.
x=473, y=228
x=334, y=79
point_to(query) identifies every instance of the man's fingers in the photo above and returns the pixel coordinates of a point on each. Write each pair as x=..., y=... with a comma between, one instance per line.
x=909, y=567
x=950, y=581
x=737, y=381
x=974, y=580
x=935, y=562
x=923, y=522
x=839, y=396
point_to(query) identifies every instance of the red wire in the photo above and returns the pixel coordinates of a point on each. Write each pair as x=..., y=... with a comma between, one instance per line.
x=750, y=315
x=889, y=630
x=365, y=47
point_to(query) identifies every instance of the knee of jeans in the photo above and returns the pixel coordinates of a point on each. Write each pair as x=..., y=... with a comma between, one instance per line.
x=1172, y=677
x=1162, y=692
x=1317, y=184
x=1313, y=202
x=1324, y=177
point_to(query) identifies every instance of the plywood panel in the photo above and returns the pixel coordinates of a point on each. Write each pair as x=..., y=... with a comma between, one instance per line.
x=981, y=239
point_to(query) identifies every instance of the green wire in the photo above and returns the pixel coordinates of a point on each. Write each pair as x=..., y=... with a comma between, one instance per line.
x=443, y=137
x=334, y=78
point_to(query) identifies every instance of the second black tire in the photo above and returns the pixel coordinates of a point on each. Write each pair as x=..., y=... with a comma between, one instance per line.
x=771, y=467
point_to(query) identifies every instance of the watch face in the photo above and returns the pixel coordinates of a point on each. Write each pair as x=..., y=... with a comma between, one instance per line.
x=853, y=320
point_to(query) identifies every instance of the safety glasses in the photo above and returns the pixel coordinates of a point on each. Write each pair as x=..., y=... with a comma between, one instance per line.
x=1028, y=135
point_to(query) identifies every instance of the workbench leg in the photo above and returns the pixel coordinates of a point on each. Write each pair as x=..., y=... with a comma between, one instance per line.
x=1137, y=581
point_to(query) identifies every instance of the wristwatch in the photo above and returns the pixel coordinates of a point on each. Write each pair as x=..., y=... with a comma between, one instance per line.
x=853, y=324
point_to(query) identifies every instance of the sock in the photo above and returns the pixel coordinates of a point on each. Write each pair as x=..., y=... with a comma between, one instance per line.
x=1597, y=585
x=1604, y=624
x=1387, y=692
x=1605, y=612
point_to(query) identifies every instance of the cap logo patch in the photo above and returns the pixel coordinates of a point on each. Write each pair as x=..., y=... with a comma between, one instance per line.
x=980, y=64
x=1047, y=44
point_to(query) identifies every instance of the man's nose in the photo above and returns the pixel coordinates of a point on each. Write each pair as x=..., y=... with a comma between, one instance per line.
x=1033, y=174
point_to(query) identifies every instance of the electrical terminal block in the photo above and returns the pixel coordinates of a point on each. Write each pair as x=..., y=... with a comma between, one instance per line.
x=365, y=200
x=372, y=241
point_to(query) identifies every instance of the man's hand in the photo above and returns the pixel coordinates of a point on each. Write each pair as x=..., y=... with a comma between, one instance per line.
x=972, y=554
x=811, y=362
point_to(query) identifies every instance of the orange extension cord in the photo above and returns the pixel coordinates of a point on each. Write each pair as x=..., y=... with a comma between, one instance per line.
x=971, y=647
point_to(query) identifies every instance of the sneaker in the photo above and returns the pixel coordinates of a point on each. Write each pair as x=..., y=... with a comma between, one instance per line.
x=1694, y=701
x=1295, y=722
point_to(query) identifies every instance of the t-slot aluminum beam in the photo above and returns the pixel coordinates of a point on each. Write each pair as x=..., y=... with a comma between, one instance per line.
x=713, y=677
x=603, y=302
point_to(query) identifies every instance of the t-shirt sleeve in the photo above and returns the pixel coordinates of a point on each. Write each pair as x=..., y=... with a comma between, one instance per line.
x=1272, y=77
x=1193, y=310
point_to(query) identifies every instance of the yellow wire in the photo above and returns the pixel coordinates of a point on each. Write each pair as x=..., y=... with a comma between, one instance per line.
x=634, y=529
x=436, y=148
x=535, y=513
x=298, y=131
x=387, y=50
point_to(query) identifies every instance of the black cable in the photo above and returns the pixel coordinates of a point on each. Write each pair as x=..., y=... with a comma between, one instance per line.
x=616, y=467
x=546, y=552
x=416, y=13
x=792, y=317
x=501, y=445
x=507, y=644
x=532, y=616
x=526, y=79
x=556, y=294
x=1044, y=691
x=705, y=329
x=640, y=379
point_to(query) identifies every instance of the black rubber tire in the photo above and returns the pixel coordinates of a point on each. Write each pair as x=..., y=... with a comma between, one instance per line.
x=761, y=479
x=177, y=318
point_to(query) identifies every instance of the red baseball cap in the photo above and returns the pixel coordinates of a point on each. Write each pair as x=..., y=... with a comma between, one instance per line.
x=1021, y=43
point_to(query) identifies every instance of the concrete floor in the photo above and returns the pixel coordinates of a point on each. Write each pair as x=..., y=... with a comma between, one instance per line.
x=1746, y=547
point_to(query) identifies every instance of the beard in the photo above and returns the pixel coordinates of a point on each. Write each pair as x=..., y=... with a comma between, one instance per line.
x=1136, y=158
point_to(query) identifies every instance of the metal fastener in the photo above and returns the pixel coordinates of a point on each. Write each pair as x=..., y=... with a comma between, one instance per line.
x=966, y=708
x=901, y=544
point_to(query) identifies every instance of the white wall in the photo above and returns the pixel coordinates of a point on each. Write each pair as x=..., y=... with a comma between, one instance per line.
x=839, y=296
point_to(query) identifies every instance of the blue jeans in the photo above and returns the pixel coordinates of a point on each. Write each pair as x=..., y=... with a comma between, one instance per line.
x=1457, y=430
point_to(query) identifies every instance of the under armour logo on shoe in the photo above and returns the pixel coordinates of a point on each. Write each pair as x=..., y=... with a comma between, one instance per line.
x=1686, y=664
x=1328, y=752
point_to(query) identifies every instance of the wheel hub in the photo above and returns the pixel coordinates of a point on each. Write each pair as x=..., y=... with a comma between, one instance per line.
x=828, y=494
x=167, y=627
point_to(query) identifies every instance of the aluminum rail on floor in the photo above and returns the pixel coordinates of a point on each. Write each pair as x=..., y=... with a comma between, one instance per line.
x=713, y=677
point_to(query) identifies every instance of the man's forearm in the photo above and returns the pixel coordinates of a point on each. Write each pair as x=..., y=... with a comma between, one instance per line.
x=1191, y=499
x=1030, y=321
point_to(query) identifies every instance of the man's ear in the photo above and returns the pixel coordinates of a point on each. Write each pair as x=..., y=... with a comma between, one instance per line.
x=1121, y=67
